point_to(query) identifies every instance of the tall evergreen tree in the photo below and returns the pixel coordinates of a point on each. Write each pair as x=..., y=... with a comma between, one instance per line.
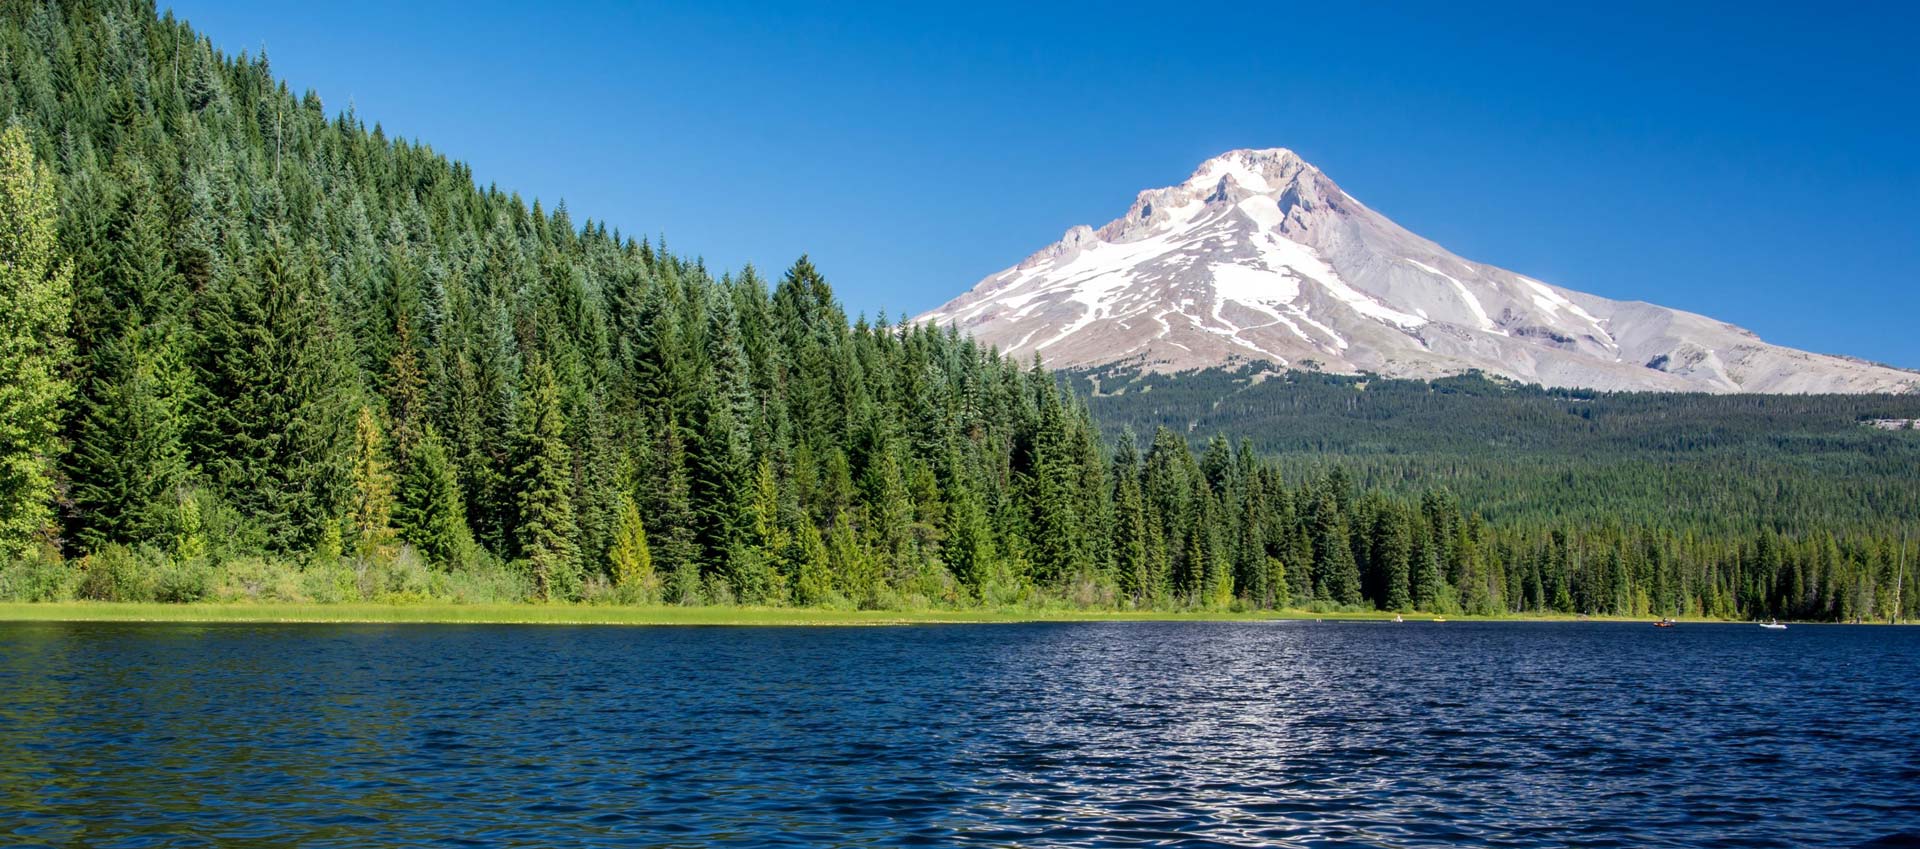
x=275, y=414
x=670, y=519
x=721, y=471
x=969, y=550
x=543, y=477
x=1336, y=575
x=128, y=465
x=1394, y=549
x=430, y=511
x=1130, y=558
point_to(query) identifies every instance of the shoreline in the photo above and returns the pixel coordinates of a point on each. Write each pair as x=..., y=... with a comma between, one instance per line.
x=563, y=614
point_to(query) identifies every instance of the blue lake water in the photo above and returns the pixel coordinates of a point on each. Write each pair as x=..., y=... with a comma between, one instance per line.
x=1109, y=734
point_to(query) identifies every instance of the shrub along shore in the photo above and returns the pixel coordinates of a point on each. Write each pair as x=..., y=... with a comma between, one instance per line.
x=591, y=614
x=144, y=585
x=559, y=614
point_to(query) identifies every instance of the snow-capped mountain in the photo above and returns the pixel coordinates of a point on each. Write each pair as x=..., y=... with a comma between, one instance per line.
x=1259, y=256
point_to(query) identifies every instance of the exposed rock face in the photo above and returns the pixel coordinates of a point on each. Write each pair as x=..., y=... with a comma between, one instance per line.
x=1259, y=256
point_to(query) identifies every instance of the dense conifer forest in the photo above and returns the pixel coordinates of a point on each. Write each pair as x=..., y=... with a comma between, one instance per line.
x=254, y=349
x=1714, y=463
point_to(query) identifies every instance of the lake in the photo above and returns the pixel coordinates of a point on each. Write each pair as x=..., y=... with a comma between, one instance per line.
x=1086, y=734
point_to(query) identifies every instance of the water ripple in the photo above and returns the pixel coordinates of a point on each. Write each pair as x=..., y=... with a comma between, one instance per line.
x=1096, y=735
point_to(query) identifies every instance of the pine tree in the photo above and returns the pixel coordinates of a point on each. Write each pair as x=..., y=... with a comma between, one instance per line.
x=406, y=391
x=1130, y=559
x=1282, y=589
x=969, y=549
x=35, y=297
x=1427, y=577
x=1394, y=548
x=189, y=542
x=543, y=478
x=1250, y=572
x=670, y=519
x=721, y=479
x=275, y=418
x=1058, y=523
x=1336, y=575
x=129, y=462
x=889, y=514
x=430, y=510
x=852, y=564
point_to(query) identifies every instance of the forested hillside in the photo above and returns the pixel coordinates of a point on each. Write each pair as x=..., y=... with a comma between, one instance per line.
x=255, y=349
x=1713, y=463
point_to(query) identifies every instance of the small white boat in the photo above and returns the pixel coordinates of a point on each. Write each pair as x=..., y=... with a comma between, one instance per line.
x=1773, y=625
x=1396, y=618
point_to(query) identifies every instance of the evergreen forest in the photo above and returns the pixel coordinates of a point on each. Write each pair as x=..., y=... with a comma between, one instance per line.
x=252, y=348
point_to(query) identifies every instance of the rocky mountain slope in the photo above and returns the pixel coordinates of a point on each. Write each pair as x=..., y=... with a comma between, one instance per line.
x=1259, y=256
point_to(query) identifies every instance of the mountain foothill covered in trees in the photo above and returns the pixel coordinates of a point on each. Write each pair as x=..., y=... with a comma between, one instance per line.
x=251, y=349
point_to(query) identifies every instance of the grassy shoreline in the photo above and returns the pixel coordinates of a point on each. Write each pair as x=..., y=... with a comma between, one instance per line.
x=564, y=614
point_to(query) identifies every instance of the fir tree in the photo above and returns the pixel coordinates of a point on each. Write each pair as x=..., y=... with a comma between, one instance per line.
x=406, y=391
x=1336, y=575
x=806, y=558
x=543, y=478
x=1059, y=522
x=969, y=550
x=430, y=511
x=1394, y=550
x=129, y=462
x=670, y=519
x=275, y=417
x=721, y=479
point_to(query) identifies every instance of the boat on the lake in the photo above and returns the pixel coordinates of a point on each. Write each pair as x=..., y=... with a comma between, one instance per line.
x=1774, y=625
x=1665, y=622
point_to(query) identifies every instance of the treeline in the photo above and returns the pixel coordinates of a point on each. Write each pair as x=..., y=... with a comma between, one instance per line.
x=254, y=351
x=1716, y=465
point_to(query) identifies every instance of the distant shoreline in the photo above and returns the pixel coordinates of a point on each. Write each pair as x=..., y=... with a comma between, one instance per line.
x=565, y=614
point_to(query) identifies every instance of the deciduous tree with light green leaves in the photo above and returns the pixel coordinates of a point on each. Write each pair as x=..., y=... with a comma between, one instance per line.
x=36, y=292
x=629, y=560
x=370, y=515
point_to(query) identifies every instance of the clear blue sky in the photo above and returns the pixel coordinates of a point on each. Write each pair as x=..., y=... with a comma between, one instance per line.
x=1757, y=163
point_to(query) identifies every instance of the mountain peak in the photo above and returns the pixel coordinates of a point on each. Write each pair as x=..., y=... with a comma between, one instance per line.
x=1261, y=170
x=1259, y=256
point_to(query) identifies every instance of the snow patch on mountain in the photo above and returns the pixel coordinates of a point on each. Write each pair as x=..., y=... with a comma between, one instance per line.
x=1259, y=256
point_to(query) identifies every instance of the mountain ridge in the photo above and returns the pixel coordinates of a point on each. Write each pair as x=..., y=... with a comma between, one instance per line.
x=1260, y=256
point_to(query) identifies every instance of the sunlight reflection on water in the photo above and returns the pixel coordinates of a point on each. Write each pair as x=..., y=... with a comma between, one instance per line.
x=1092, y=734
